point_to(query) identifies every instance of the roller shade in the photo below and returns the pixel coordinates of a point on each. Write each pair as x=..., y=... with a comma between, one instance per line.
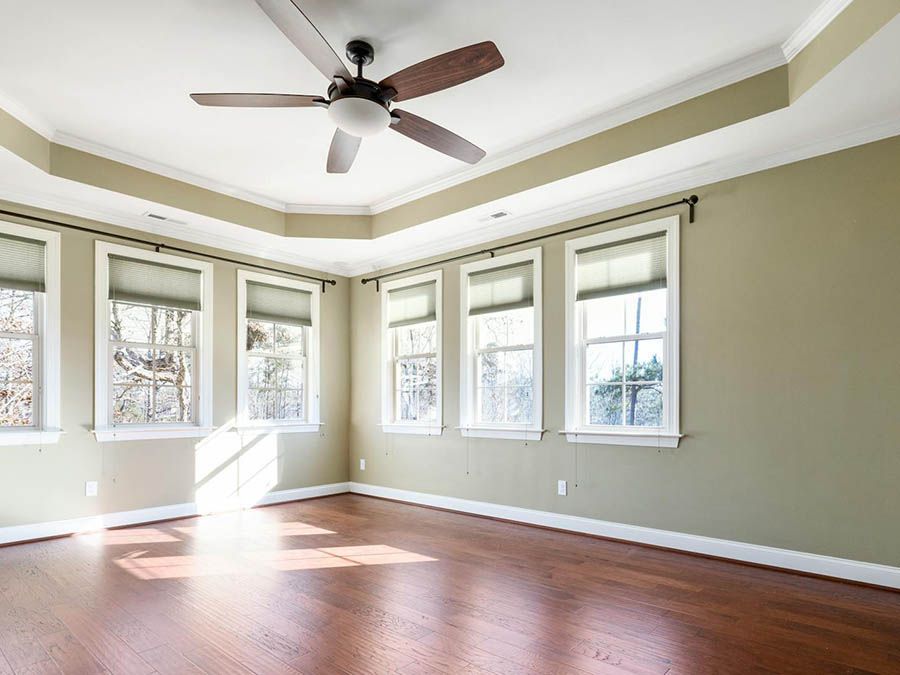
x=279, y=304
x=21, y=263
x=411, y=305
x=501, y=288
x=150, y=283
x=624, y=267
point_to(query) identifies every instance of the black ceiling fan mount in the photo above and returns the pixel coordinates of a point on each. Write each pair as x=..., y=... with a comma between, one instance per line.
x=361, y=107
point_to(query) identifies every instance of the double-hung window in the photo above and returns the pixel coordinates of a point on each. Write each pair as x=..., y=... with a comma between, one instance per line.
x=154, y=345
x=411, y=355
x=622, y=336
x=278, y=353
x=29, y=335
x=500, y=377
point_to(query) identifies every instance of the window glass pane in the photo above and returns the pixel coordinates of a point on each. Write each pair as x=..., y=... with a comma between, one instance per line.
x=604, y=317
x=501, y=329
x=173, y=367
x=16, y=311
x=489, y=369
x=644, y=361
x=16, y=405
x=643, y=405
x=16, y=360
x=490, y=404
x=130, y=323
x=289, y=339
x=605, y=404
x=132, y=366
x=408, y=408
x=519, y=405
x=261, y=371
x=290, y=374
x=518, y=366
x=131, y=405
x=173, y=404
x=420, y=338
x=262, y=404
x=172, y=326
x=290, y=404
x=426, y=403
x=260, y=336
x=603, y=362
x=645, y=312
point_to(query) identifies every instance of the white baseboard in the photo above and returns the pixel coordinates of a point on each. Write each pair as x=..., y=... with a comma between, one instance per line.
x=56, y=528
x=840, y=568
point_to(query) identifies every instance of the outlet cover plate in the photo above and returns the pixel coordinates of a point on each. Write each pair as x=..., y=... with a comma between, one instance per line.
x=91, y=488
x=561, y=488
x=362, y=465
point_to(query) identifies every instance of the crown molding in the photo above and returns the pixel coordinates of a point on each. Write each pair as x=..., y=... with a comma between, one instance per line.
x=26, y=116
x=647, y=103
x=815, y=23
x=249, y=245
x=651, y=189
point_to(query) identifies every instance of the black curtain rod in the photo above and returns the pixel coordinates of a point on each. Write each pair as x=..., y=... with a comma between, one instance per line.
x=690, y=201
x=158, y=246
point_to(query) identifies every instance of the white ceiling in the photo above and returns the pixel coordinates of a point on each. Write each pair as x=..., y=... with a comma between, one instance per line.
x=118, y=73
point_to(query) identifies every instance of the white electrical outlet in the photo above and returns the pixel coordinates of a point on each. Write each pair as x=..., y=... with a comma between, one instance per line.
x=561, y=488
x=91, y=488
x=362, y=465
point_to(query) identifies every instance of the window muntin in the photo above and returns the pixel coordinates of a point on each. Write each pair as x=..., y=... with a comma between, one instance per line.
x=19, y=358
x=415, y=370
x=276, y=371
x=504, y=363
x=152, y=364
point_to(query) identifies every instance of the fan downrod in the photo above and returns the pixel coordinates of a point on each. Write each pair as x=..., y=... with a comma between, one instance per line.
x=360, y=53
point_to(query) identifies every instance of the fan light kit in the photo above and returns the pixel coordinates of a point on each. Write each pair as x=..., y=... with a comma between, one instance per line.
x=360, y=107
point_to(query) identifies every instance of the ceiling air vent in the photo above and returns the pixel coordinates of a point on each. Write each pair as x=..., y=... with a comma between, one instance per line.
x=495, y=216
x=159, y=216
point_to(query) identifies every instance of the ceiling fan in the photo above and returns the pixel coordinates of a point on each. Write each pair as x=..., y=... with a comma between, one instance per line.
x=361, y=107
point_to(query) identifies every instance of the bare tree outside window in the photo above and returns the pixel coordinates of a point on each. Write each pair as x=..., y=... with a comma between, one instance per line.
x=18, y=355
x=415, y=372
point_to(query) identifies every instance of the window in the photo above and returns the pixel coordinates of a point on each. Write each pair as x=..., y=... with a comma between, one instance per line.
x=411, y=344
x=278, y=353
x=29, y=335
x=500, y=379
x=154, y=351
x=622, y=329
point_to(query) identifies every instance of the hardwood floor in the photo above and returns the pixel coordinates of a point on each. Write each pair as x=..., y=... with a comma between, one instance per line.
x=351, y=584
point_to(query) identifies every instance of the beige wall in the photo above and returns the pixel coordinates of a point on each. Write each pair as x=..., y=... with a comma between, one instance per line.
x=790, y=384
x=47, y=483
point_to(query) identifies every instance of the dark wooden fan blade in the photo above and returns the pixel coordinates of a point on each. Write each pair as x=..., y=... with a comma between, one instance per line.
x=435, y=137
x=259, y=100
x=342, y=152
x=290, y=19
x=444, y=71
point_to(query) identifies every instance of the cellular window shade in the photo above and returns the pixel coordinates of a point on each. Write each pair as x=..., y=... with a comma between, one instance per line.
x=279, y=304
x=624, y=267
x=412, y=305
x=150, y=283
x=501, y=288
x=21, y=263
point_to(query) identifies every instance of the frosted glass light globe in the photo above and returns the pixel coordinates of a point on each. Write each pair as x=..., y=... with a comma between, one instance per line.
x=359, y=116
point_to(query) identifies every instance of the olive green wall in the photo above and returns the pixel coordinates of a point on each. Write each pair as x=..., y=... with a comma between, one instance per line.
x=790, y=385
x=40, y=484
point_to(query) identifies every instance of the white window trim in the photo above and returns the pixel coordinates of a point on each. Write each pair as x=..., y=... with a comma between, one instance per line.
x=388, y=423
x=48, y=428
x=669, y=435
x=467, y=427
x=312, y=423
x=104, y=430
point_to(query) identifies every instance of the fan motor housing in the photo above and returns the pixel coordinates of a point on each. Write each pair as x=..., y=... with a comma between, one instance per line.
x=358, y=108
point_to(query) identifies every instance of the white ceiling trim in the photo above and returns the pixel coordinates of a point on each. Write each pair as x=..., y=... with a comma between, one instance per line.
x=814, y=24
x=27, y=117
x=688, y=179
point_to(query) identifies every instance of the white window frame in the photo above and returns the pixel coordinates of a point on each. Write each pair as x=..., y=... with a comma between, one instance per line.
x=311, y=397
x=468, y=361
x=389, y=423
x=576, y=431
x=46, y=355
x=104, y=430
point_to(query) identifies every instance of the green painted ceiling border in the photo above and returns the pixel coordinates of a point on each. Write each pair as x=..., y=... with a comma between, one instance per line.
x=757, y=95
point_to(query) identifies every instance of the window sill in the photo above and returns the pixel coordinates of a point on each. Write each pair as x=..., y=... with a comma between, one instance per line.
x=108, y=434
x=30, y=437
x=645, y=439
x=502, y=433
x=420, y=429
x=294, y=428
